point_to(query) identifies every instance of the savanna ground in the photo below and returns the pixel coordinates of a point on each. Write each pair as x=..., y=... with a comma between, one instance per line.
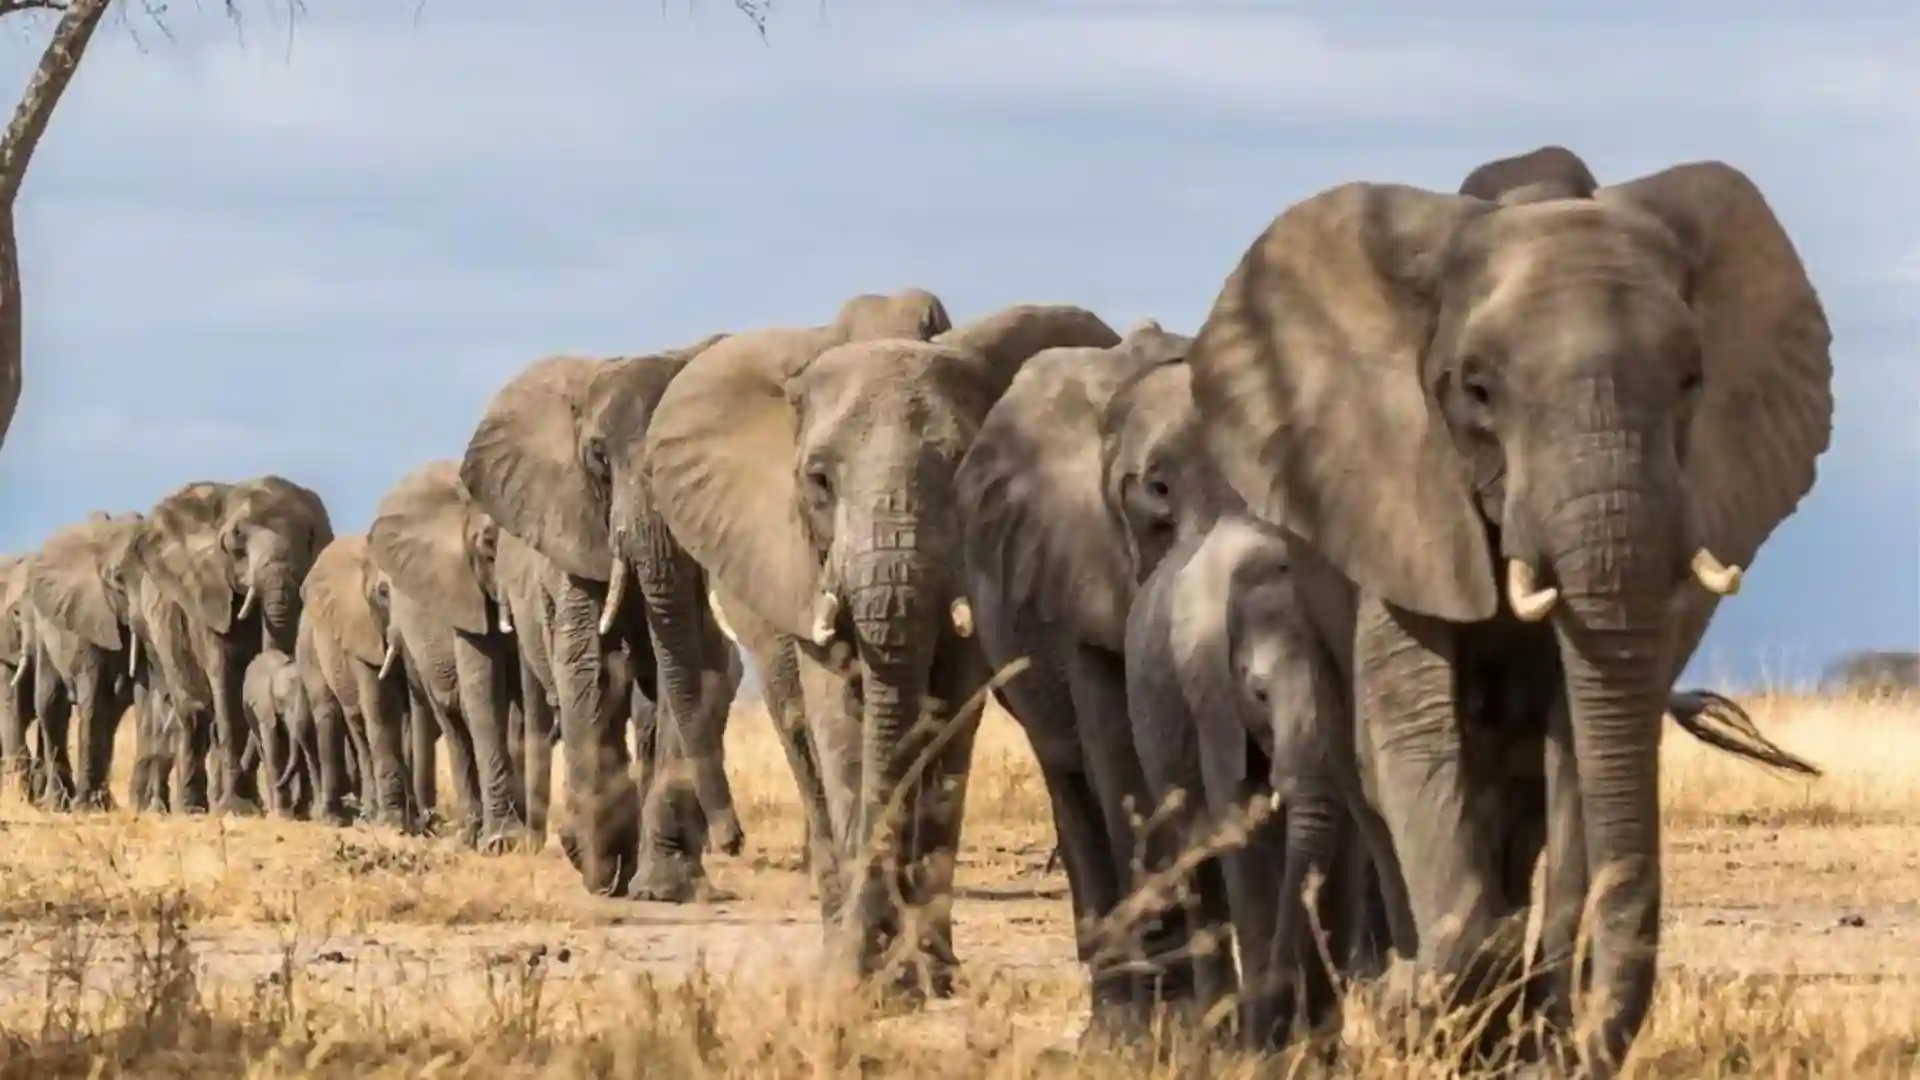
x=146, y=946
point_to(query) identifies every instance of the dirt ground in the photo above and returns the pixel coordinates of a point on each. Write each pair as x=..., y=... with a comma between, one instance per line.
x=1810, y=885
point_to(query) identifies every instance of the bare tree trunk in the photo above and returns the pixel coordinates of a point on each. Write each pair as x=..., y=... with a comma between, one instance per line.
x=78, y=20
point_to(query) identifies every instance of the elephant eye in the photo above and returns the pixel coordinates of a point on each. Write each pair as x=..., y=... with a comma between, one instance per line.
x=1477, y=388
x=1157, y=488
x=818, y=482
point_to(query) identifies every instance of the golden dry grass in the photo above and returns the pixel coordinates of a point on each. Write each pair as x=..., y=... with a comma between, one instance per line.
x=139, y=946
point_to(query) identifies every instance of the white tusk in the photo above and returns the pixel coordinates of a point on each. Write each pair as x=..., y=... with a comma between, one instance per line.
x=826, y=612
x=133, y=658
x=1530, y=602
x=1719, y=578
x=962, y=613
x=719, y=616
x=19, y=673
x=386, y=662
x=616, y=591
x=1273, y=801
x=505, y=618
x=246, y=606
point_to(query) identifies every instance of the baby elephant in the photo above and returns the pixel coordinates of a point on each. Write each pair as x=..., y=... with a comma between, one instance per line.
x=1231, y=704
x=282, y=729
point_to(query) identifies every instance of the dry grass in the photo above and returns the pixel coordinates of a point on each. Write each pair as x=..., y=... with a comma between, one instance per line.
x=200, y=948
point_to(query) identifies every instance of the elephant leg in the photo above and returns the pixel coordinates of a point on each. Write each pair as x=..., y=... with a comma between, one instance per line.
x=424, y=729
x=97, y=710
x=1251, y=877
x=55, y=706
x=1559, y=978
x=1410, y=727
x=334, y=744
x=162, y=719
x=539, y=715
x=516, y=717
x=360, y=766
x=188, y=736
x=786, y=707
x=480, y=665
x=16, y=763
x=604, y=805
x=138, y=782
x=382, y=710
x=674, y=829
x=1159, y=948
x=834, y=721
x=239, y=792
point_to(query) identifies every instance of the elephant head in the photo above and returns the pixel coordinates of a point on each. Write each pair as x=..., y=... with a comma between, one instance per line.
x=212, y=546
x=1618, y=398
x=14, y=573
x=431, y=540
x=1550, y=172
x=339, y=600
x=78, y=588
x=1032, y=494
x=815, y=483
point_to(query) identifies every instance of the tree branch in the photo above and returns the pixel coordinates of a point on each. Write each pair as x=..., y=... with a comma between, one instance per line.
x=8, y=7
x=57, y=65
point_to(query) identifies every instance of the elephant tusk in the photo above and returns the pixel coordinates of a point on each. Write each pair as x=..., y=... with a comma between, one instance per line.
x=962, y=613
x=1531, y=603
x=246, y=605
x=826, y=612
x=616, y=591
x=133, y=658
x=386, y=662
x=720, y=616
x=19, y=674
x=504, y=618
x=1719, y=578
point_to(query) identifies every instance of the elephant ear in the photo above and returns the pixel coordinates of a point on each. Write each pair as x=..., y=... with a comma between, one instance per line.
x=913, y=314
x=1550, y=172
x=420, y=538
x=334, y=597
x=720, y=459
x=526, y=466
x=166, y=627
x=1036, y=529
x=13, y=589
x=1308, y=372
x=67, y=586
x=1005, y=340
x=1766, y=407
x=181, y=551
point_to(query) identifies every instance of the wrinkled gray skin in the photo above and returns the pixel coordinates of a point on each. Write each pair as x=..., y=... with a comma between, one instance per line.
x=435, y=549
x=228, y=561
x=1231, y=698
x=557, y=461
x=358, y=700
x=275, y=701
x=811, y=473
x=1523, y=448
x=77, y=587
x=19, y=758
x=1052, y=575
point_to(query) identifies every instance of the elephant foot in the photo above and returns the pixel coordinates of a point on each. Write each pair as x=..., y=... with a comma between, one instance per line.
x=336, y=819
x=725, y=834
x=508, y=839
x=675, y=879
x=236, y=805
x=99, y=800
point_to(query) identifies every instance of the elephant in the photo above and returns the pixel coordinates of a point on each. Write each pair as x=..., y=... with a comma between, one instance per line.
x=231, y=557
x=276, y=708
x=811, y=472
x=77, y=586
x=345, y=658
x=1053, y=575
x=1231, y=698
x=436, y=549
x=1521, y=449
x=18, y=762
x=557, y=462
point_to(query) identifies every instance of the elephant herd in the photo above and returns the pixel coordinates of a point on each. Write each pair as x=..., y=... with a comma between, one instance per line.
x=1394, y=563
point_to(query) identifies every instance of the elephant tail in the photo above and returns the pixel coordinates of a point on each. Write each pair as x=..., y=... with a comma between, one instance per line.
x=1721, y=723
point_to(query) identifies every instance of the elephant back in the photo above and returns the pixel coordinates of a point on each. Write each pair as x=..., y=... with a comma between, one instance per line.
x=432, y=540
x=1036, y=529
x=334, y=601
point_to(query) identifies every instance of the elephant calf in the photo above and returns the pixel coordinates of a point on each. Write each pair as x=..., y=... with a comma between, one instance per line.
x=1230, y=703
x=275, y=703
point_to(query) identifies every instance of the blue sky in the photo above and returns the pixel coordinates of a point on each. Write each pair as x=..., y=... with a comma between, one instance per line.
x=319, y=253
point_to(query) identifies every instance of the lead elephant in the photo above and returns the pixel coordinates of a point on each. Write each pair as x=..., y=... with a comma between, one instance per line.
x=451, y=615
x=1617, y=399
x=813, y=478
x=556, y=461
x=231, y=558
x=78, y=588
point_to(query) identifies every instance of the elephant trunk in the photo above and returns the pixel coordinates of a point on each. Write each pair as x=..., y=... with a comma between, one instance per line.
x=893, y=588
x=1611, y=542
x=676, y=606
x=275, y=591
x=1313, y=834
